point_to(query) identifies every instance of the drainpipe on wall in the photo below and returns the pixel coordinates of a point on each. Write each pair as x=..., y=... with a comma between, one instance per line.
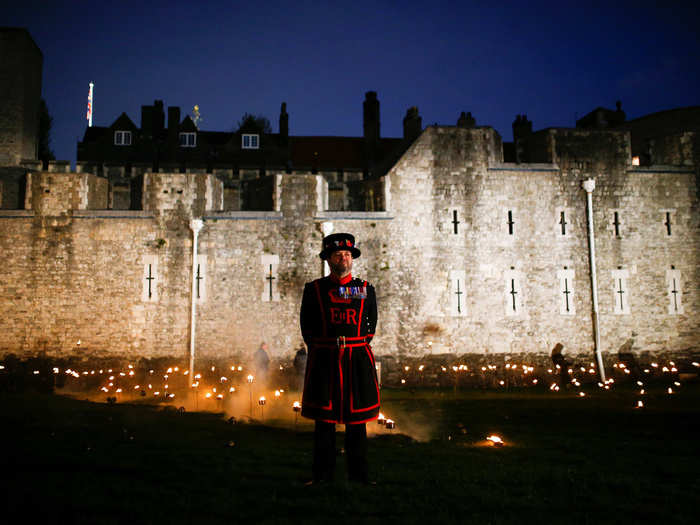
x=195, y=226
x=589, y=186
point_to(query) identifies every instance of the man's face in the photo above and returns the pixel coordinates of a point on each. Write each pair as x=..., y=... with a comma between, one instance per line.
x=340, y=262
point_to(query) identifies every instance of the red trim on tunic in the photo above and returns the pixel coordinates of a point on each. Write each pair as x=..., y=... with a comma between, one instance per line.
x=362, y=305
x=376, y=386
x=341, y=352
x=340, y=280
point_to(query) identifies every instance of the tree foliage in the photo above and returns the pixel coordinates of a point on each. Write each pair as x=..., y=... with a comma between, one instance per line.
x=259, y=122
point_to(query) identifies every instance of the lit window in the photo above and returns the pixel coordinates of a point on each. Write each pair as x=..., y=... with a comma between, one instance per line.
x=122, y=138
x=250, y=141
x=188, y=140
x=635, y=161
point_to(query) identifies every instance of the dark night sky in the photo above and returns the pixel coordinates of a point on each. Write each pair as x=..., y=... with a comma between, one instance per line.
x=545, y=59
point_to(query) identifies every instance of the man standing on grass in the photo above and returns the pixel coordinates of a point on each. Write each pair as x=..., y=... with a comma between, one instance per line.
x=338, y=317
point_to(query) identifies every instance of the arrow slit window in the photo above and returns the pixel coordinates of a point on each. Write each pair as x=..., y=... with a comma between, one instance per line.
x=454, y=221
x=563, y=222
x=458, y=293
x=513, y=293
x=667, y=223
x=566, y=292
x=149, y=282
x=510, y=222
x=200, y=286
x=621, y=305
x=270, y=264
x=675, y=291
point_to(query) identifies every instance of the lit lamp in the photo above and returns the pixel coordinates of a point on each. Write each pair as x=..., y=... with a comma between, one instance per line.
x=381, y=419
x=262, y=402
x=296, y=406
x=389, y=424
x=496, y=441
x=250, y=392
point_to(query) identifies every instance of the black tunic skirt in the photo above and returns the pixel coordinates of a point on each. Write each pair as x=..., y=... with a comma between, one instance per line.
x=338, y=319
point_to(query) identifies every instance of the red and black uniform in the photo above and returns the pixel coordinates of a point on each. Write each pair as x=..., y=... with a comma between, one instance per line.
x=338, y=318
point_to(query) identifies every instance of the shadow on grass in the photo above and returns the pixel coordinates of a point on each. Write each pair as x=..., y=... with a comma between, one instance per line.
x=565, y=460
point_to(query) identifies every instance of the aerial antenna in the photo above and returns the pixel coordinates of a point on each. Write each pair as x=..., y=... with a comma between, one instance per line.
x=89, y=107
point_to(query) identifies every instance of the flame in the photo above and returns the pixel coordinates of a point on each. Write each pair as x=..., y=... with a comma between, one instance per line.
x=495, y=440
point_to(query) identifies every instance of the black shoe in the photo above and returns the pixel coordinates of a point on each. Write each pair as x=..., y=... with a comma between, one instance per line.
x=317, y=482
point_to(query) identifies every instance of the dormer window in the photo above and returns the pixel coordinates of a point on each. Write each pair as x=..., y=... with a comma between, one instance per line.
x=188, y=140
x=122, y=138
x=250, y=141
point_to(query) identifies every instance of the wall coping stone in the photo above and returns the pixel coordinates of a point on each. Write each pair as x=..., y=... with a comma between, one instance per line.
x=112, y=214
x=512, y=166
x=353, y=216
x=660, y=169
x=243, y=215
x=16, y=214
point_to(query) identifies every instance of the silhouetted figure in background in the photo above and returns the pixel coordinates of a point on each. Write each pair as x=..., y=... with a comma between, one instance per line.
x=261, y=363
x=559, y=360
x=300, y=366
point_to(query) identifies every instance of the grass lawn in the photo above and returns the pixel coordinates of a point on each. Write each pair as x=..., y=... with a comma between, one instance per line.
x=567, y=459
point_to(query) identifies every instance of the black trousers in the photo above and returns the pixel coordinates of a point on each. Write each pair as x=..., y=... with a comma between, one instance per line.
x=355, y=451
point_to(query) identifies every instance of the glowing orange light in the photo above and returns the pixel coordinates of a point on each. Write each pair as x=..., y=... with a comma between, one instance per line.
x=495, y=440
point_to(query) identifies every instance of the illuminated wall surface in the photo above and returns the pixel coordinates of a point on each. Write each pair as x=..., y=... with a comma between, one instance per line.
x=470, y=255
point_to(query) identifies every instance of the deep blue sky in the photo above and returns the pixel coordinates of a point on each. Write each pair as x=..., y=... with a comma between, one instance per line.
x=495, y=59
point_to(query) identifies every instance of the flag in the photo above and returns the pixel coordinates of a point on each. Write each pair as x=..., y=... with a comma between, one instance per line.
x=89, y=105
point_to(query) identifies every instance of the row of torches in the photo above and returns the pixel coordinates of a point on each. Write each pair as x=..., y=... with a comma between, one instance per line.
x=388, y=423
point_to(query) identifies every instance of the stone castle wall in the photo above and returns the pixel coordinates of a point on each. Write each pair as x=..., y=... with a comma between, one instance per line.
x=20, y=92
x=470, y=255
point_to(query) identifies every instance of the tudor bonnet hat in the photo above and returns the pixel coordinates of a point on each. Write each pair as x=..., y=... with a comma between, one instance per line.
x=339, y=241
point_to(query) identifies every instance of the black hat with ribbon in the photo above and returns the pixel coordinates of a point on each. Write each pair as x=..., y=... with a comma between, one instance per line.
x=339, y=241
